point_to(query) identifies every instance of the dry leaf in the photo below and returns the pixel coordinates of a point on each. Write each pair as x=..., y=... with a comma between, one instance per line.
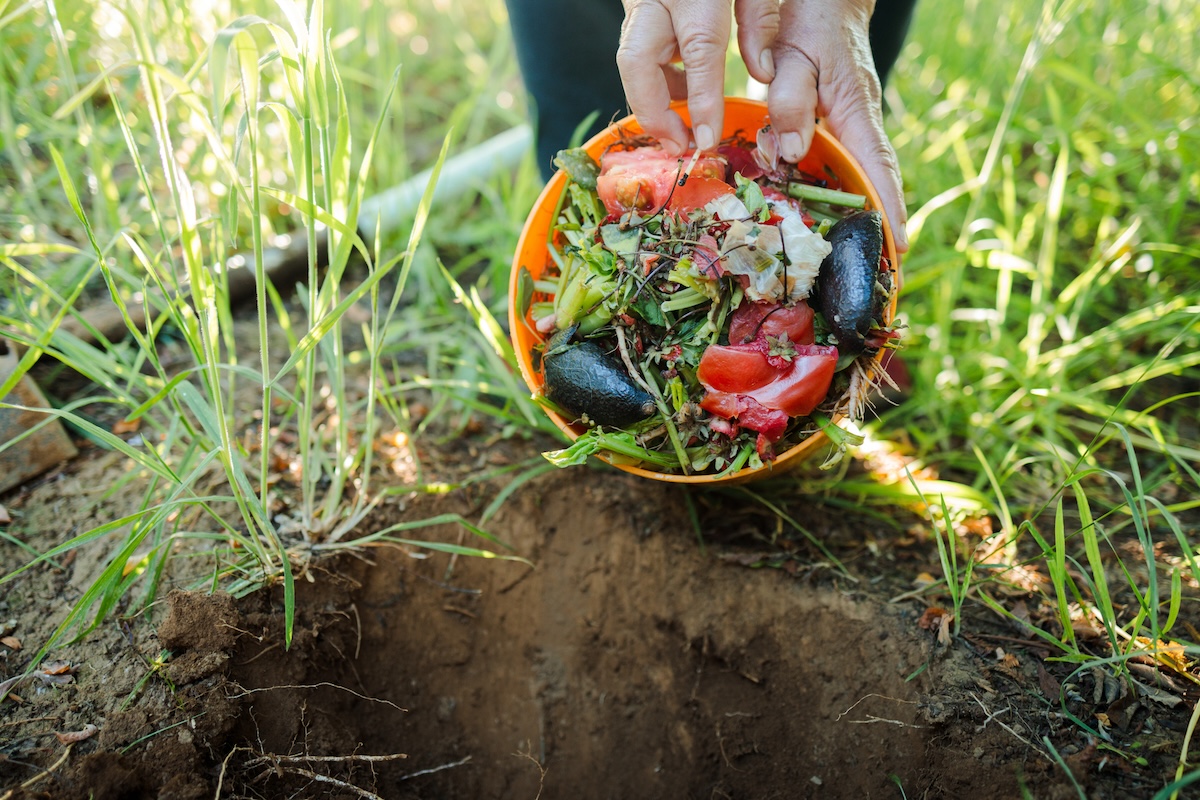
x=88, y=732
x=5, y=518
x=124, y=426
x=1169, y=654
x=56, y=673
x=8, y=685
x=1049, y=685
x=1157, y=695
x=1155, y=677
x=11, y=642
x=943, y=635
x=932, y=618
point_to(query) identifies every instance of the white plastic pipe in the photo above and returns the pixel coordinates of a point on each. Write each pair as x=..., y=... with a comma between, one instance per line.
x=396, y=206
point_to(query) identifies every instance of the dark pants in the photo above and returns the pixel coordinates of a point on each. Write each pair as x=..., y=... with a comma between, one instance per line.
x=567, y=50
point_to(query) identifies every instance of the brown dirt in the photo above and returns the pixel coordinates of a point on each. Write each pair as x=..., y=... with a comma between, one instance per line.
x=628, y=661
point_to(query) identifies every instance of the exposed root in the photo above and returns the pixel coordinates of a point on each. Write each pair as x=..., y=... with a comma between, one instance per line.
x=439, y=768
x=870, y=717
x=43, y=774
x=322, y=684
x=867, y=379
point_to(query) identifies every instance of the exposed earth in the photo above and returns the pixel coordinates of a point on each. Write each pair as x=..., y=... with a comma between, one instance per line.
x=626, y=657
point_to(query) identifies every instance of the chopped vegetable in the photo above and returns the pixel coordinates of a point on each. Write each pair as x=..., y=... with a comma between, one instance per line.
x=676, y=308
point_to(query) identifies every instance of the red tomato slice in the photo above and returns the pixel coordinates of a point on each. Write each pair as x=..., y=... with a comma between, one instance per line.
x=805, y=383
x=735, y=368
x=796, y=388
x=644, y=178
x=748, y=413
x=752, y=320
x=696, y=193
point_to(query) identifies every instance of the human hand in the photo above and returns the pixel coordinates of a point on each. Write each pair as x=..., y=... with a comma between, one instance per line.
x=658, y=34
x=814, y=55
x=823, y=63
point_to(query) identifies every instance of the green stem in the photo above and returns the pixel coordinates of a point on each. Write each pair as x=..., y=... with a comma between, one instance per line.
x=685, y=463
x=804, y=191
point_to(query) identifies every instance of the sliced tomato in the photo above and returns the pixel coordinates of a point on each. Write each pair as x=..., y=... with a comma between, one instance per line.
x=796, y=388
x=803, y=385
x=748, y=413
x=696, y=193
x=643, y=179
x=752, y=320
x=735, y=368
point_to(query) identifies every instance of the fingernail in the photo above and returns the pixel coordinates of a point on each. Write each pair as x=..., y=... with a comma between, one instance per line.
x=901, y=238
x=791, y=147
x=767, y=62
x=704, y=137
x=671, y=146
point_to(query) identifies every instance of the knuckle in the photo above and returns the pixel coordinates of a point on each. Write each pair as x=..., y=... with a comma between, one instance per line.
x=699, y=46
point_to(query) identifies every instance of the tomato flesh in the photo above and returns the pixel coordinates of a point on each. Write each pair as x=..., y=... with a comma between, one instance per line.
x=696, y=193
x=748, y=413
x=737, y=368
x=644, y=179
x=796, y=387
x=752, y=320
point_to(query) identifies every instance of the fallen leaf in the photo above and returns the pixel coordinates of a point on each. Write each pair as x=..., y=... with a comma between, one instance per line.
x=1049, y=685
x=1155, y=677
x=1121, y=712
x=8, y=685
x=1087, y=632
x=11, y=642
x=932, y=618
x=71, y=737
x=1169, y=654
x=943, y=635
x=5, y=518
x=56, y=673
x=1157, y=695
x=126, y=426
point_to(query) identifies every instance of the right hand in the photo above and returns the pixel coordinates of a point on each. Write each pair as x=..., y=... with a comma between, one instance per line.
x=814, y=55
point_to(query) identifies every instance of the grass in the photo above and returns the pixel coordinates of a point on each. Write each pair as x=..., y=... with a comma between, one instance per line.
x=1051, y=296
x=197, y=148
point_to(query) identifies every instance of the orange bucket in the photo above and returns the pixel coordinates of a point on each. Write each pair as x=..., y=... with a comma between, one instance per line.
x=741, y=115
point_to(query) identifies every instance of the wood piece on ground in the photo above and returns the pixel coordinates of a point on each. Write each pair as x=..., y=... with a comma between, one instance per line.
x=42, y=450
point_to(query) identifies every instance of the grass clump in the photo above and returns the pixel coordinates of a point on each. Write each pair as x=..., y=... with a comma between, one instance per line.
x=178, y=157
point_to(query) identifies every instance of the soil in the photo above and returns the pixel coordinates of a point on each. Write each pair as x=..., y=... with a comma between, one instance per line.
x=625, y=657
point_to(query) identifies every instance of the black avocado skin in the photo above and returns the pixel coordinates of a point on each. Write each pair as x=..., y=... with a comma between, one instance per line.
x=849, y=298
x=584, y=380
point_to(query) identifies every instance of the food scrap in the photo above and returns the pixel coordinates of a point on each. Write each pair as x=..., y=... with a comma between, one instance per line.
x=705, y=312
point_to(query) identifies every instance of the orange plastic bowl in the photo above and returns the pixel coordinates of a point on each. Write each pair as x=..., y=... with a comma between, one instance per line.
x=746, y=117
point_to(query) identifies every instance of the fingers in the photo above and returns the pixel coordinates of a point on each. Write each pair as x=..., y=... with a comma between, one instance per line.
x=655, y=33
x=861, y=131
x=758, y=23
x=824, y=68
x=703, y=28
x=792, y=100
x=648, y=46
